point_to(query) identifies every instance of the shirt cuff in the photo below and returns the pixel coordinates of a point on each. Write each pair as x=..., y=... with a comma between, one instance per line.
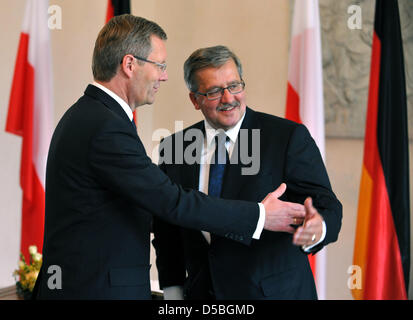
x=323, y=235
x=261, y=222
x=173, y=293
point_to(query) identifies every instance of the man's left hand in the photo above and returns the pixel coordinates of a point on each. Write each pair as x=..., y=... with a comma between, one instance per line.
x=312, y=229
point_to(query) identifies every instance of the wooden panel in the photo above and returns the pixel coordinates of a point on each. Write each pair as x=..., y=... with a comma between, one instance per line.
x=9, y=293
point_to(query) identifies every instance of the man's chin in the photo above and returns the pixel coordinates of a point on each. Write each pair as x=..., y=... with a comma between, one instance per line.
x=226, y=125
x=150, y=101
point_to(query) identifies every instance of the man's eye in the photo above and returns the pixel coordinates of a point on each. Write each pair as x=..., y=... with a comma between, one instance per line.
x=215, y=91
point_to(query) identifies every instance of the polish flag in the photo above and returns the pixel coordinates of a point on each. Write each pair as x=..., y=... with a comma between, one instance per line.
x=305, y=94
x=30, y=116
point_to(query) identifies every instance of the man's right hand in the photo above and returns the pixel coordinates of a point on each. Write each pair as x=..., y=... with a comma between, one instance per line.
x=281, y=215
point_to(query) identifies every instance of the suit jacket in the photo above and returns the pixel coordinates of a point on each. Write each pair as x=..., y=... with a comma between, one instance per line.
x=271, y=267
x=101, y=192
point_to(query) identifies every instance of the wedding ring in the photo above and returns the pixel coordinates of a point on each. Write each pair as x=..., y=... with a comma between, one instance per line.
x=295, y=221
x=313, y=238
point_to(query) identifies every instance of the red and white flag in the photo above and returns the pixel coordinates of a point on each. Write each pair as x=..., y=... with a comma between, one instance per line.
x=305, y=94
x=30, y=116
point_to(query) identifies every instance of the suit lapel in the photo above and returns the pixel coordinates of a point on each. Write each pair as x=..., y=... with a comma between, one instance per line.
x=190, y=172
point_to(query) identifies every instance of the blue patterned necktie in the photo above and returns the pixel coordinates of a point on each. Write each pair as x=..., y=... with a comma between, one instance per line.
x=217, y=166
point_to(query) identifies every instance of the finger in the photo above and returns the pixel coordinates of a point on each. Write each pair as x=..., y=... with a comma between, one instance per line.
x=289, y=229
x=268, y=195
x=277, y=192
x=294, y=210
x=303, y=236
x=280, y=190
x=310, y=211
x=298, y=221
x=295, y=206
x=301, y=240
x=308, y=225
x=298, y=237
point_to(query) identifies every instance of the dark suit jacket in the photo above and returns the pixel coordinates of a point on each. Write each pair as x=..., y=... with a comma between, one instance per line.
x=101, y=192
x=272, y=267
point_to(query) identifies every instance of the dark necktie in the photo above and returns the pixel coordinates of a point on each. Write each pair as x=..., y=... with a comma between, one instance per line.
x=217, y=166
x=217, y=170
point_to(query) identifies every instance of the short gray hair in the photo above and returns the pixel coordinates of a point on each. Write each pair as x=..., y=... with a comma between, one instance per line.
x=123, y=34
x=207, y=57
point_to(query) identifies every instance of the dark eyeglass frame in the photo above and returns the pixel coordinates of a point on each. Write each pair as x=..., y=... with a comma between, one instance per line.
x=161, y=66
x=221, y=91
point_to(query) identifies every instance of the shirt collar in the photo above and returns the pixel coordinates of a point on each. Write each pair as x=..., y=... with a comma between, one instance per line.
x=232, y=133
x=118, y=99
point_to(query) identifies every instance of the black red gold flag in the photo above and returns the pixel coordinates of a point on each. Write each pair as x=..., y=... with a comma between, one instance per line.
x=382, y=244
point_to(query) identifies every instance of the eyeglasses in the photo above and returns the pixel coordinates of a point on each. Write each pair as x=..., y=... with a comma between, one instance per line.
x=219, y=92
x=161, y=66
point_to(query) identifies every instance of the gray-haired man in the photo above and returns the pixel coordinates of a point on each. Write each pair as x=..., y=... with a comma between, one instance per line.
x=195, y=265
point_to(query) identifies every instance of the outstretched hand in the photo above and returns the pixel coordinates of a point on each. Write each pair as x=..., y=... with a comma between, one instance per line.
x=282, y=215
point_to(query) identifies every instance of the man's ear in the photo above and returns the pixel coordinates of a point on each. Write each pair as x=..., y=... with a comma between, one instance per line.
x=127, y=66
x=194, y=100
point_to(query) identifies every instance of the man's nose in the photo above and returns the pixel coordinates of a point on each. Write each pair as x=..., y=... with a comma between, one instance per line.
x=227, y=96
x=164, y=76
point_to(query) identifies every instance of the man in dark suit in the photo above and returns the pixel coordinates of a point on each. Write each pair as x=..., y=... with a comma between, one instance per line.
x=195, y=265
x=102, y=189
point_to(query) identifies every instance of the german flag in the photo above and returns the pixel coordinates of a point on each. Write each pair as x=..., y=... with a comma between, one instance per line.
x=117, y=7
x=382, y=243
